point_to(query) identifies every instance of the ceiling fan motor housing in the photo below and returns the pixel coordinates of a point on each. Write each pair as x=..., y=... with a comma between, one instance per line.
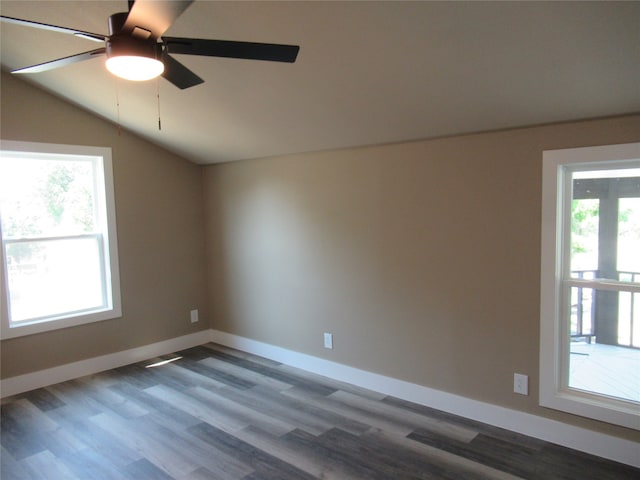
x=116, y=22
x=137, y=43
x=125, y=45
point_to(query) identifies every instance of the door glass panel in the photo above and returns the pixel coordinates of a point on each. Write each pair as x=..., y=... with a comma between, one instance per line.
x=629, y=239
x=608, y=370
x=584, y=237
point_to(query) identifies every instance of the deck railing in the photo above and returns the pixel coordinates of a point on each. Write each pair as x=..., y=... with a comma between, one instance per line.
x=583, y=308
x=583, y=311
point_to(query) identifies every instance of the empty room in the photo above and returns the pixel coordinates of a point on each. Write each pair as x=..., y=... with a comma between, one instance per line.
x=319, y=240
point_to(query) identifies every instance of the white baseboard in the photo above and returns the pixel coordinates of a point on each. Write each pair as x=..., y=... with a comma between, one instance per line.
x=42, y=378
x=595, y=443
x=606, y=446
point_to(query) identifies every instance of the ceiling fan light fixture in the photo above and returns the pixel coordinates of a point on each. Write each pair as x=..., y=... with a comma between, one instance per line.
x=134, y=67
x=136, y=48
x=134, y=58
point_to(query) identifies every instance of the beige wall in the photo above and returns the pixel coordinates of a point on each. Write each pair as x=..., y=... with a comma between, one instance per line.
x=159, y=211
x=421, y=258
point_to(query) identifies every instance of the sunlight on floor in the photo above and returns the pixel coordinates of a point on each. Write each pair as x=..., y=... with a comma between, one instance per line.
x=163, y=362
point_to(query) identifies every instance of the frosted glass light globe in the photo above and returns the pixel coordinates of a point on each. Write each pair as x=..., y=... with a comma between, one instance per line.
x=135, y=67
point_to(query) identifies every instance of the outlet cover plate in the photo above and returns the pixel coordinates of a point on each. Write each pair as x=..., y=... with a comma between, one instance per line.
x=521, y=384
x=328, y=340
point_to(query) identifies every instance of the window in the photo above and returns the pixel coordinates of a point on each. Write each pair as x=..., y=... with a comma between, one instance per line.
x=57, y=223
x=590, y=283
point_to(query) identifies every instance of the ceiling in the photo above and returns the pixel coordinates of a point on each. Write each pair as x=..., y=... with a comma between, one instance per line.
x=367, y=72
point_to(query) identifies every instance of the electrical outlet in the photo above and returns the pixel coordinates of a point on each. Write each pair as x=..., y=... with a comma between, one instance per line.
x=194, y=316
x=328, y=340
x=520, y=384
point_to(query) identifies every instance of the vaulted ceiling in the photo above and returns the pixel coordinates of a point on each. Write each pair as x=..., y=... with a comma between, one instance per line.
x=367, y=72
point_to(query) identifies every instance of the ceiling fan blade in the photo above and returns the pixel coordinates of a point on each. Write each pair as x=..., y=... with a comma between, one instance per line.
x=224, y=48
x=61, y=62
x=154, y=16
x=178, y=74
x=96, y=37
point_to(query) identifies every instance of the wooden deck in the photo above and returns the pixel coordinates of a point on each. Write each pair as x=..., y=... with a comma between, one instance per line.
x=606, y=369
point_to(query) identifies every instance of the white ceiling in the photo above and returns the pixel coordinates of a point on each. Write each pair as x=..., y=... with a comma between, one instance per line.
x=367, y=73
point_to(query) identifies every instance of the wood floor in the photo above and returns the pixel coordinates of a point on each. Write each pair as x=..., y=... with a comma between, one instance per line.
x=217, y=413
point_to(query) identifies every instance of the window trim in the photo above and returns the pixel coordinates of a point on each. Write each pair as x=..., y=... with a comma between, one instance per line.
x=113, y=310
x=554, y=390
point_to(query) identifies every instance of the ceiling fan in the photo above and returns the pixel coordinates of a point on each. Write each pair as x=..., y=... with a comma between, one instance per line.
x=136, y=50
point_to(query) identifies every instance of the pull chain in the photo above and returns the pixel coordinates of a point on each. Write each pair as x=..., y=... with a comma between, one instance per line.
x=118, y=108
x=158, y=96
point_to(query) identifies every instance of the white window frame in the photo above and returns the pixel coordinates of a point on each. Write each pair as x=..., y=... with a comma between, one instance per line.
x=101, y=156
x=557, y=166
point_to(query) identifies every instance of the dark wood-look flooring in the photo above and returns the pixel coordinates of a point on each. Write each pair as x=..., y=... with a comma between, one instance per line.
x=218, y=413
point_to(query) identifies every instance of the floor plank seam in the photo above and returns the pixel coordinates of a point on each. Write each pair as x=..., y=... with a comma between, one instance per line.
x=215, y=412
